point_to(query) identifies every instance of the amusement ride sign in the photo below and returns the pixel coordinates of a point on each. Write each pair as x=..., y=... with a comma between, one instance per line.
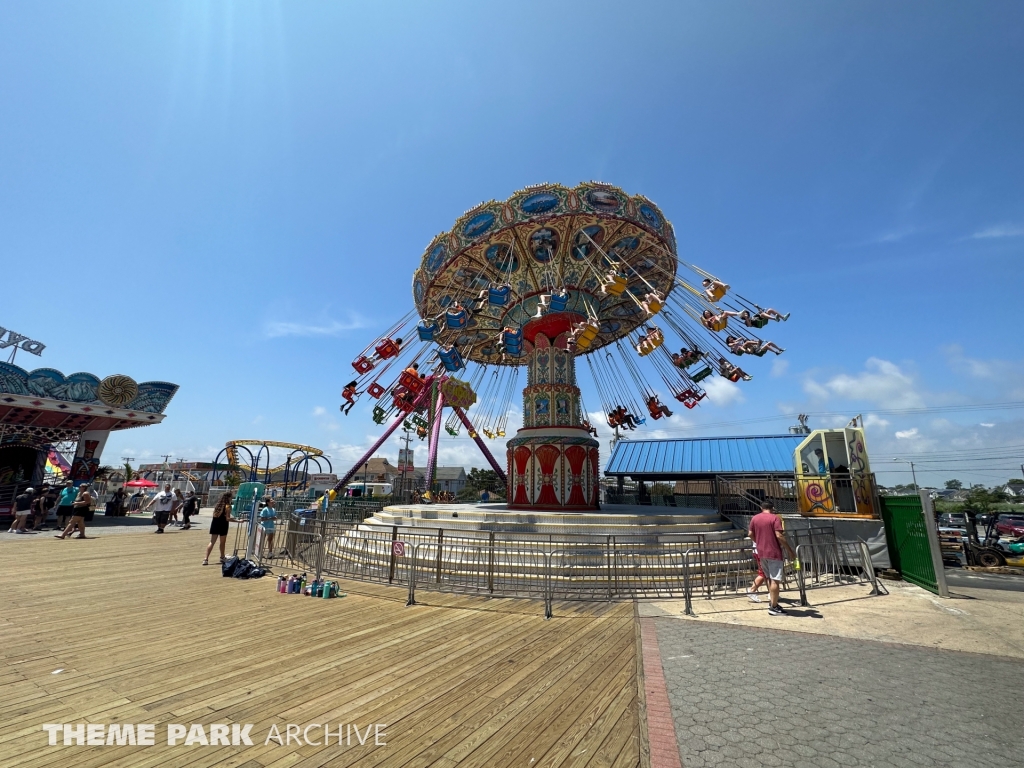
x=16, y=341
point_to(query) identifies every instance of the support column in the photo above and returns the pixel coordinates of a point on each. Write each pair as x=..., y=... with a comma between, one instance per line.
x=552, y=459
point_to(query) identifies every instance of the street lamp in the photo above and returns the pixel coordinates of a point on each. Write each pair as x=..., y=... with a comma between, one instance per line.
x=912, y=473
x=366, y=471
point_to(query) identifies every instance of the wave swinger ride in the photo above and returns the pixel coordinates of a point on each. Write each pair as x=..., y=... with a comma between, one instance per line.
x=543, y=280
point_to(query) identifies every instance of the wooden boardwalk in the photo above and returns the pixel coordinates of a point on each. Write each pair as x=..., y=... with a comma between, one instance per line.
x=144, y=634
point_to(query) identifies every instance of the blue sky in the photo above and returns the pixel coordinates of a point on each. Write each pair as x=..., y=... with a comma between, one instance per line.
x=233, y=197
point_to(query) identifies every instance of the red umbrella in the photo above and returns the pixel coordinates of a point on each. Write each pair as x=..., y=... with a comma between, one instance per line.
x=140, y=482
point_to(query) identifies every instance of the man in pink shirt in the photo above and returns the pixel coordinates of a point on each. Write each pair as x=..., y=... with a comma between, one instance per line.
x=766, y=533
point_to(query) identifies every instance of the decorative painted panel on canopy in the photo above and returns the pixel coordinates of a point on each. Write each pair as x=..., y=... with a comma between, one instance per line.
x=116, y=391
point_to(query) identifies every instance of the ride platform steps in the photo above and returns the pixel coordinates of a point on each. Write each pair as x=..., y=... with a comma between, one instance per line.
x=478, y=520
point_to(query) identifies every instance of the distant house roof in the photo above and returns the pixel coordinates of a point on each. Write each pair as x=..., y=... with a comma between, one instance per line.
x=762, y=454
x=450, y=473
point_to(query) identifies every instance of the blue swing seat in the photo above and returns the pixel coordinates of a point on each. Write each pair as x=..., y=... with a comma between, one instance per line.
x=458, y=318
x=427, y=332
x=452, y=359
x=513, y=342
x=498, y=295
x=558, y=301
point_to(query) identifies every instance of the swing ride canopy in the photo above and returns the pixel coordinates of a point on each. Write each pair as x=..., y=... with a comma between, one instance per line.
x=539, y=281
x=546, y=238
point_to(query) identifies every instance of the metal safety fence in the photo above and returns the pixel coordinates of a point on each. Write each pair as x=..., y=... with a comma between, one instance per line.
x=544, y=567
x=834, y=564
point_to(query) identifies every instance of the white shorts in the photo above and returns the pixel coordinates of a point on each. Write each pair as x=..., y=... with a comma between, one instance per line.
x=772, y=568
x=26, y=513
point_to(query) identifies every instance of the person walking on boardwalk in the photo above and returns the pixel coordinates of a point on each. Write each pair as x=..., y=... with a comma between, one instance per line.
x=22, y=510
x=767, y=535
x=80, y=509
x=164, y=503
x=179, y=502
x=219, y=526
x=49, y=501
x=66, y=504
x=188, y=509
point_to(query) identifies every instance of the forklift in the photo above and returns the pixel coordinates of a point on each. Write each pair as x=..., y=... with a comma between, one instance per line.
x=982, y=551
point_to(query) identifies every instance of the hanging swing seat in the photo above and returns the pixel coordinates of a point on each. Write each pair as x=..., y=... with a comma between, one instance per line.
x=473, y=434
x=717, y=323
x=456, y=318
x=451, y=431
x=451, y=358
x=557, y=302
x=378, y=415
x=387, y=348
x=404, y=401
x=427, y=332
x=758, y=322
x=654, y=408
x=513, y=342
x=687, y=358
x=363, y=364
x=653, y=303
x=650, y=342
x=419, y=421
x=411, y=381
x=716, y=292
x=488, y=433
x=498, y=295
x=500, y=433
x=375, y=390
x=585, y=334
x=614, y=285
x=702, y=374
x=690, y=397
x=733, y=373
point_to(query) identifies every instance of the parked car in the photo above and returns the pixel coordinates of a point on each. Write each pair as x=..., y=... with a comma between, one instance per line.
x=953, y=520
x=1010, y=525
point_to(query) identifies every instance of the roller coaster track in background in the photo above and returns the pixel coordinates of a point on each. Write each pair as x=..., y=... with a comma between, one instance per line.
x=306, y=453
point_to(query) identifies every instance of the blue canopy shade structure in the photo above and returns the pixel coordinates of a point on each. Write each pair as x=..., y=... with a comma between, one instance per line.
x=689, y=457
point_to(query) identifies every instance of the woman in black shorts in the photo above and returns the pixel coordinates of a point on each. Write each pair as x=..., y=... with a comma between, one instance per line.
x=219, y=526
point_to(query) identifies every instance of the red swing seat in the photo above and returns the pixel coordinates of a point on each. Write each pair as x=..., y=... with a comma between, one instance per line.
x=690, y=398
x=411, y=381
x=386, y=349
x=375, y=390
x=363, y=364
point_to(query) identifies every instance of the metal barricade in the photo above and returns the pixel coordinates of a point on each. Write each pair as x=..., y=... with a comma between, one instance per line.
x=547, y=567
x=837, y=563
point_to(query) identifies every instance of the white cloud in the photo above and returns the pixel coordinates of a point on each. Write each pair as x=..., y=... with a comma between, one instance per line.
x=779, y=367
x=906, y=434
x=1000, y=230
x=986, y=425
x=871, y=420
x=276, y=329
x=994, y=369
x=882, y=382
x=319, y=411
x=894, y=235
x=722, y=391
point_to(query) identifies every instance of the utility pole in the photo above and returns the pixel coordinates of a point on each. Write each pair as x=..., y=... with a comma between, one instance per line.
x=127, y=461
x=405, y=464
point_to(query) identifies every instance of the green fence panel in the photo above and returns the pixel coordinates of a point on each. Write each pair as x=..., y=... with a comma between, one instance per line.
x=907, y=537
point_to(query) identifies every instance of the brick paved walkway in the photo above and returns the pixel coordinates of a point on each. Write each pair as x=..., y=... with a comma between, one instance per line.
x=743, y=696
